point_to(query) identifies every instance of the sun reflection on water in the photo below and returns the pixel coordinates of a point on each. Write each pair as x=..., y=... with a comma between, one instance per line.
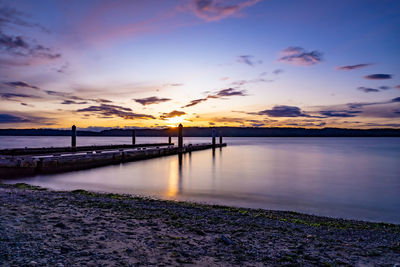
x=173, y=179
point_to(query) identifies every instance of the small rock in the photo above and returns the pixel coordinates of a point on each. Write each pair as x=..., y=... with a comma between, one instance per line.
x=102, y=238
x=60, y=225
x=32, y=263
x=226, y=240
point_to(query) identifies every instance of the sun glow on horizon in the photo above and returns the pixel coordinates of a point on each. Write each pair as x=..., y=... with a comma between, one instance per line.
x=175, y=121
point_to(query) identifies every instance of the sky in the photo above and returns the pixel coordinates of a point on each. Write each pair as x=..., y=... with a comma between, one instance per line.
x=158, y=63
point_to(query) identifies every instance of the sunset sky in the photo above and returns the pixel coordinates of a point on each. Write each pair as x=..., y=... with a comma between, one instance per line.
x=259, y=63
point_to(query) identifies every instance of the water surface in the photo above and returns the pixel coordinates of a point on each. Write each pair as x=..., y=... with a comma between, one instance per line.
x=356, y=178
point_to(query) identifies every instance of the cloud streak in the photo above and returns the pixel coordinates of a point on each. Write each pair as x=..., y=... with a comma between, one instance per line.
x=115, y=111
x=213, y=10
x=353, y=67
x=243, y=82
x=340, y=113
x=378, y=76
x=299, y=56
x=20, y=84
x=219, y=94
x=283, y=111
x=18, y=46
x=72, y=102
x=151, y=100
x=373, y=90
x=8, y=118
x=172, y=114
x=11, y=96
x=10, y=16
x=229, y=92
x=248, y=60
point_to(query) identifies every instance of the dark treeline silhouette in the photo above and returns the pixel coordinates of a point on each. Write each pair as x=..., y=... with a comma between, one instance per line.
x=206, y=132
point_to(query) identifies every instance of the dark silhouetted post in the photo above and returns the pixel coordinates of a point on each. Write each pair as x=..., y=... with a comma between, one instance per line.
x=133, y=137
x=73, y=136
x=220, y=138
x=214, y=134
x=169, y=140
x=180, y=136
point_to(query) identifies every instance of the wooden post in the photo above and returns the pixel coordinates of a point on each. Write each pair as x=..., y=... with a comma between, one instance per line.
x=180, y=136
x=214, y=134
x=133, y=137
x=73, y=136
x=169, y=140
x=220, y=138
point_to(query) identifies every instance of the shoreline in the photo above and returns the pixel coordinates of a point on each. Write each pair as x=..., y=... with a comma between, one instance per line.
x=40, y=227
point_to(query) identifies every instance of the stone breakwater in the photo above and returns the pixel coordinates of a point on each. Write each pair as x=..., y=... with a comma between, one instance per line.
x=39, y=227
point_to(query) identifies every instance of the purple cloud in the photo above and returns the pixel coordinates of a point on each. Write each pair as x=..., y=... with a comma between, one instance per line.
x=340, y=113
x=378, y=76
x=368, y=90
x=283, y=111
x=72, y=102
x=195, y=102
x=172, y=114
x=278, y=71
x=229, y=92
x=21, y=84
x=17, y=46
x=212, y=10
x=151, y=100
x=353, y=67
x=248, y=60
x=8, y=118
x=15, y=95
x=219, y=94
x=299, y=56
x=114, y=110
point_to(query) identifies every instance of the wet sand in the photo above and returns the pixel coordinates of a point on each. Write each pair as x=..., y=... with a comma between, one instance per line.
x=40, y=227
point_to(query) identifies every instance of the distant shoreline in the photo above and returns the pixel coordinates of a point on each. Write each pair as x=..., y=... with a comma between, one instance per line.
x=44, y=227
x=206, y=132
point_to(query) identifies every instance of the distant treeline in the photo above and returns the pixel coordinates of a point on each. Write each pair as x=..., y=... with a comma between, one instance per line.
x=205, y=131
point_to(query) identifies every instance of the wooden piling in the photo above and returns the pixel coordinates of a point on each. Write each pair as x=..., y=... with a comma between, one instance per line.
x=73, y=136
x=133, y=137
x=180, y=136
x=214, y=134
x=220, y=138
x=169, y=140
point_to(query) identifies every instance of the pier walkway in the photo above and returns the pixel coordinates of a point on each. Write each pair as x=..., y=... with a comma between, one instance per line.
x=31, y=161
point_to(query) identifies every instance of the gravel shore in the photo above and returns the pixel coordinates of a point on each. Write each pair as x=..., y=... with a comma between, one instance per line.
x=40, y=227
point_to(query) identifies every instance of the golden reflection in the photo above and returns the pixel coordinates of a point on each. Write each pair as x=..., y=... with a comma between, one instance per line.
x=175, y=173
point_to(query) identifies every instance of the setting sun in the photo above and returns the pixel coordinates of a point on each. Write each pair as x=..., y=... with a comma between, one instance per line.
x=174, y=121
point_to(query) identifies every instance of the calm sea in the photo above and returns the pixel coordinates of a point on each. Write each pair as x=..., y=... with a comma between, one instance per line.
x=356, y=178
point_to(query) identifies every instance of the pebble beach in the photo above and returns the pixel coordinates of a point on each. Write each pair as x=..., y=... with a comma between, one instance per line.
x=41, y=227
